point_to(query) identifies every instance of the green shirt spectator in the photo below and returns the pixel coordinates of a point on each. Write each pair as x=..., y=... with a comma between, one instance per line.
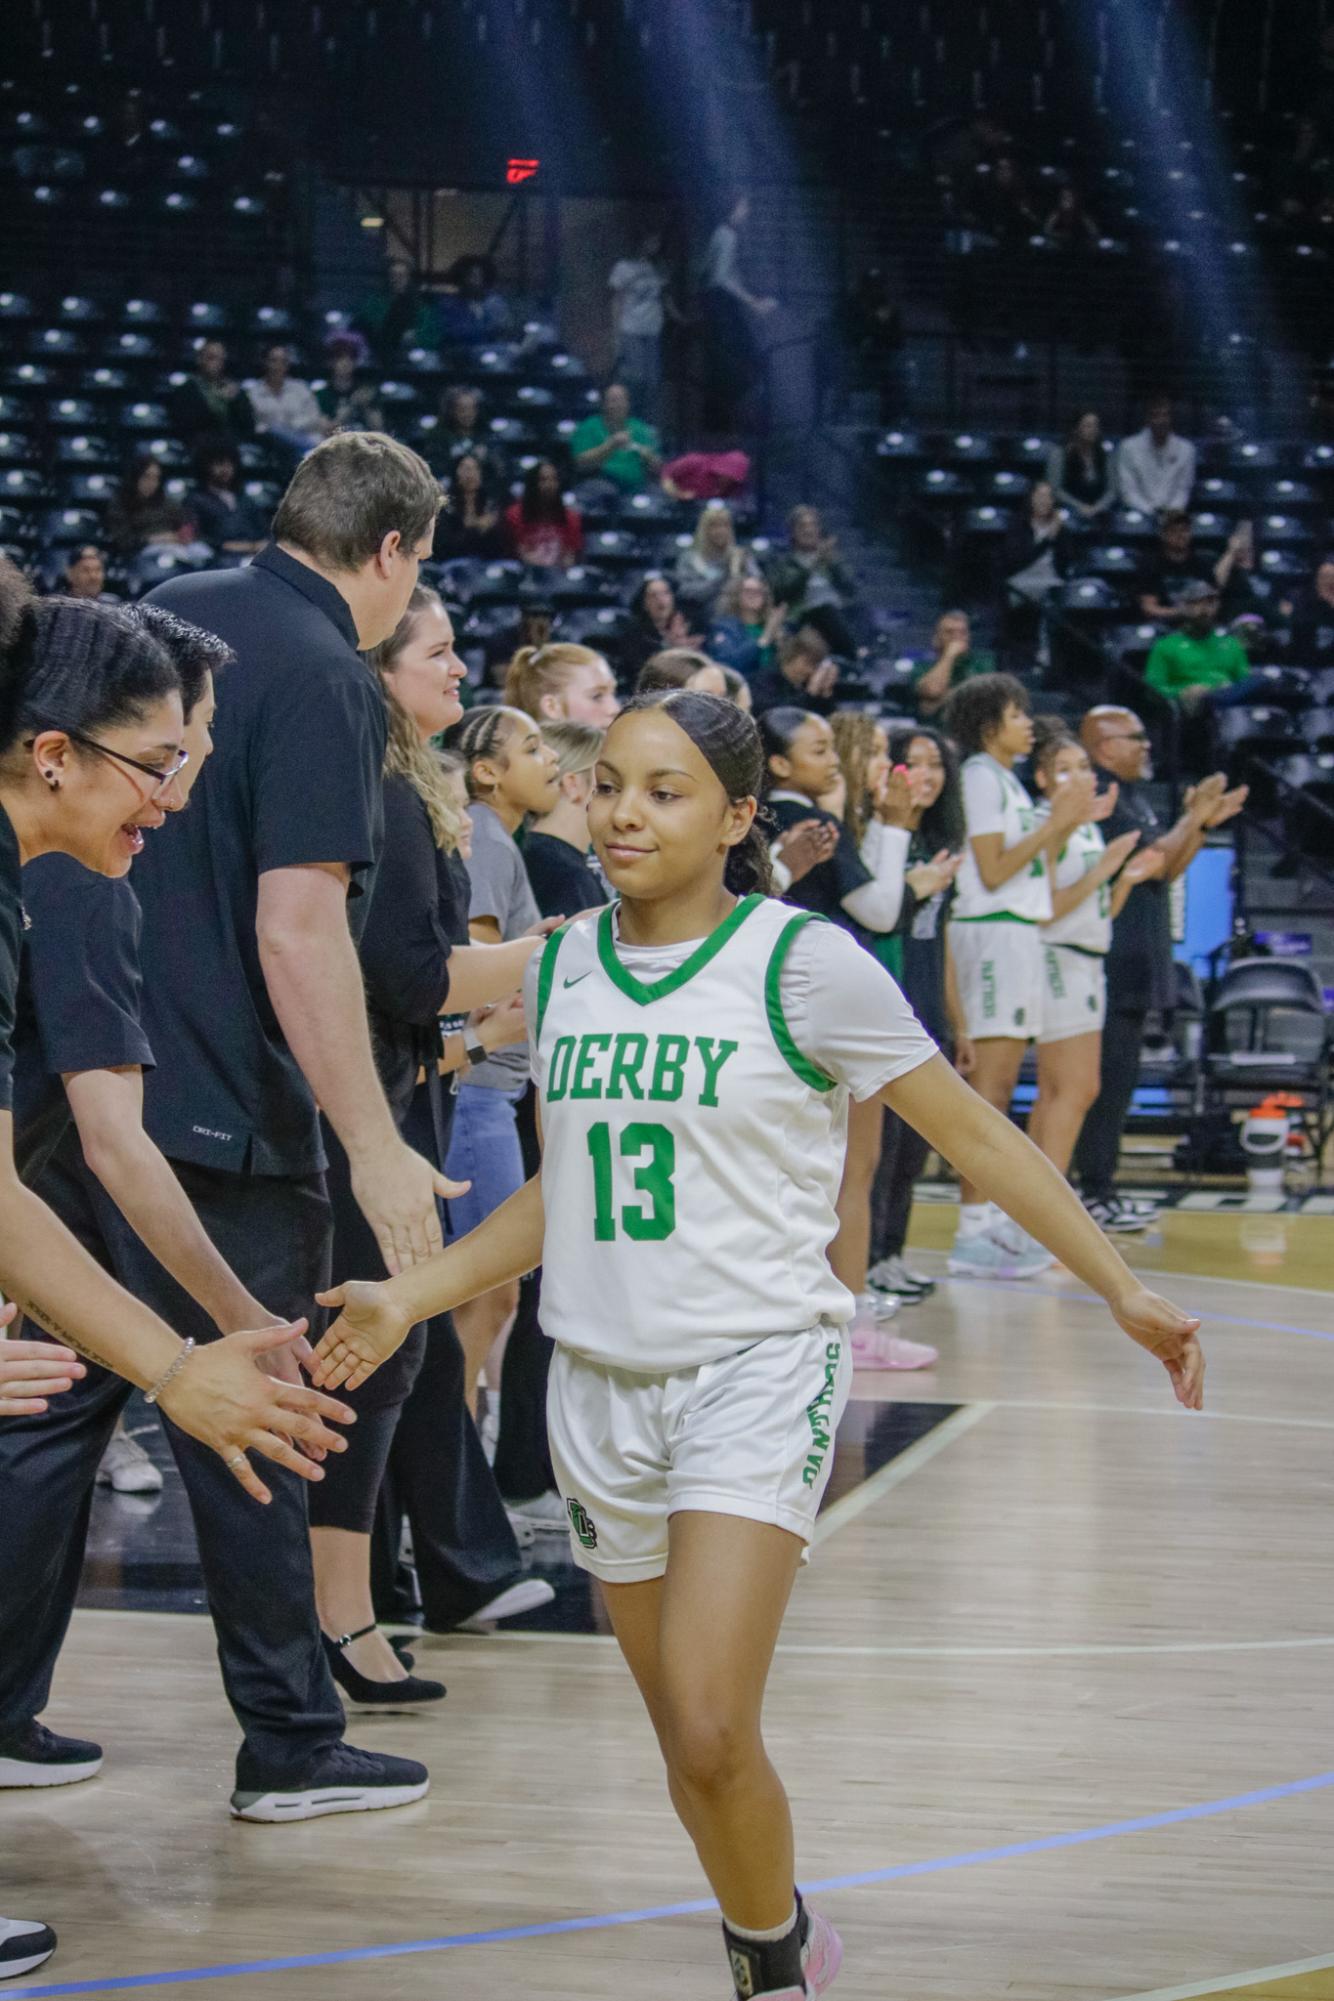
x=620, y=447
x=1193, y=661
x=954, y=660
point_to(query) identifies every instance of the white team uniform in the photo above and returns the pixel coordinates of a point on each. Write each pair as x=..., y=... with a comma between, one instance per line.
x=1075, y=946
x=694, y=1118
x=994, y=938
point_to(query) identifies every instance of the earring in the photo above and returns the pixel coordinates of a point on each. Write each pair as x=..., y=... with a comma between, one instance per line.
x=52, y=780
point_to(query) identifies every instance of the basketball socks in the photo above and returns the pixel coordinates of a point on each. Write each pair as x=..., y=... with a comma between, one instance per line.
x=974, y=1218
x=768, y=1962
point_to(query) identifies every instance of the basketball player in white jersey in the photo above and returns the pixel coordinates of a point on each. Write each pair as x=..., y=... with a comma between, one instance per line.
x=695, y=1049
x=1002, y=895
x=1090, y=881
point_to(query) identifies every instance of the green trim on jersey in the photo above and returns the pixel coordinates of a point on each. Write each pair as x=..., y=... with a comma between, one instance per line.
x=997, y=917
x=546, y=976
x=800, y=1065
x=708, y=948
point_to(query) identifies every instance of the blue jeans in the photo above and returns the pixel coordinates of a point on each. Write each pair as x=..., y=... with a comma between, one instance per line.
x=484, y=1149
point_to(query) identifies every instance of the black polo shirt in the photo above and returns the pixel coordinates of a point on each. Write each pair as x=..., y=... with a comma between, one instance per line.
x=1140, y=975
x=79, y=995
x=295, y=777
x=11, y=939
x=415, y=918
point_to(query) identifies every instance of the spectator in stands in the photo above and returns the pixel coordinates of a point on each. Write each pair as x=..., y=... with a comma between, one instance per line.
x=225, y=518
x=472, y=310
x=659, y=622
x=85, y=575
x=955, y=660
x=1034, y=560
x=346, y=403
x=463, y=428
x=713, y=559
x=640, y=288
x=541, y=527
x=731, y=312
x=1155, y=469
x=1243, y=594
x=812, y=583
x=1070, y=226
x=286, y=413
x=616, y=446
x=142, y=514
x=680, y=667
x=1166, y=570
x=398, y=314
x=874, y=342
x=806, y=677
x=1080, y=470
x=1140, y=975
x=1312, y=615
x=1003, y=204
x=209, y=403
x=748, y=627
x=1198, y=666
x=469, y=523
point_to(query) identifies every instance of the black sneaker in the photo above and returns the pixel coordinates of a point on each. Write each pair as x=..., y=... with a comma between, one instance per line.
x=24, y=1946
x=344, y=1780
x=32, y=1755
x=1114, y=1219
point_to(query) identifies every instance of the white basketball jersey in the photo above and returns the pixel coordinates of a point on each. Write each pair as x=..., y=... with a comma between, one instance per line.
x=1088, y=927
x=995, y=802
x=691, y=1154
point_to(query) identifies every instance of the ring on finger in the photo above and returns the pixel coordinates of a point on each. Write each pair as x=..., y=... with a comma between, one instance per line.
x=238, y=1459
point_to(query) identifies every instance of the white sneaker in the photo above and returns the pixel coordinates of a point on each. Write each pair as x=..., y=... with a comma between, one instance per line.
x=877, y=1305
x=25, y=1944
x=981, y=1256
x=893, y=1275
x=1017, y=1243
x=546, y=1514
x=525, y=1596
x=126, y=1468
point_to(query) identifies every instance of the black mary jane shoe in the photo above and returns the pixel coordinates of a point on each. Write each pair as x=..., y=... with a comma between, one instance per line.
x=375, y=1694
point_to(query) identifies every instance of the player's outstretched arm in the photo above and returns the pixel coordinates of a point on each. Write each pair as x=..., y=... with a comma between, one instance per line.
x=376, y=1318
x=1000, y=1160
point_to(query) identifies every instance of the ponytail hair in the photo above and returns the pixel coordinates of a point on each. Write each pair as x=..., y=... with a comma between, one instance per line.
x=68, y=663
x=578, y=746
x=537, y=671
x=777, y=728
x=728, y=741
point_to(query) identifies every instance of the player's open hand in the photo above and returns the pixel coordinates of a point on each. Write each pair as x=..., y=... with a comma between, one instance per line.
x=369, y=1327
x=32, y=1371
x=1169, y=1334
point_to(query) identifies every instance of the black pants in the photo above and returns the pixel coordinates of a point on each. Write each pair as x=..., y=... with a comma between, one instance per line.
x=256, y=1561
x=523, y=1455
x=438, y=1477
x=903, y=1154
x=1099, y=1147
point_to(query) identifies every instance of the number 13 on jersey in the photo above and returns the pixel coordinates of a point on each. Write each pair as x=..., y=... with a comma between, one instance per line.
x=646, y=1155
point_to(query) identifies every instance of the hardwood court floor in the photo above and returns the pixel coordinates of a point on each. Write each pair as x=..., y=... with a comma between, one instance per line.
x=1054, y=1704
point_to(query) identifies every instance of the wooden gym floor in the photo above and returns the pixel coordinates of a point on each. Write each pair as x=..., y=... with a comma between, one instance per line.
x=1053, y=1703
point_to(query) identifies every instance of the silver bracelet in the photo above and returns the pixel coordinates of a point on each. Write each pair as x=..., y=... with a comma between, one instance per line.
x=178, y=1363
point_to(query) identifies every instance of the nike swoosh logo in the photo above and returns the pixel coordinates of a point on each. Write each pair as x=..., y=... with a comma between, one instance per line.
x=575, y=981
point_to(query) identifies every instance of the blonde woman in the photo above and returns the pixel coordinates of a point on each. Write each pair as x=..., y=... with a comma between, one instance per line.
x=561, y=682
x=713, y=560
x=417, y=963
x=556, y=849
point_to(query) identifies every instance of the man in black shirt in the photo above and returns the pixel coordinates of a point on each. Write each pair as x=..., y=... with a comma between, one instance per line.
x=255, y=1009
x=1141, y=976
x=1166, y=570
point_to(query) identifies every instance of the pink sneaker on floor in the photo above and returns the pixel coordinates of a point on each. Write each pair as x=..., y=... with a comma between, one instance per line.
x=876, y=1348
x=824, y=1947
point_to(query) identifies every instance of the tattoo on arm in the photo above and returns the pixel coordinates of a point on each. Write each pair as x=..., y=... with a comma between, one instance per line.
x=32, y=1310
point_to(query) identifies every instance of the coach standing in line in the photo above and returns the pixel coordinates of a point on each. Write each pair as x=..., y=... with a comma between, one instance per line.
x=1141, y=978
x=254, y=1007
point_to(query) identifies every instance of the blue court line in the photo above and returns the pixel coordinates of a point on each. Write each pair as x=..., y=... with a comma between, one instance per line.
x=609, y=1920
x=1092, y=1299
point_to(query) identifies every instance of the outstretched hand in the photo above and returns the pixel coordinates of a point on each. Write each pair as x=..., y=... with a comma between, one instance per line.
x=369, y=1328
x=1169, y=1334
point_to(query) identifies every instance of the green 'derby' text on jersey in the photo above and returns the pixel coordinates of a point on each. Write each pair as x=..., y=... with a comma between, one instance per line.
x=691, y=1154
x=1088, y=927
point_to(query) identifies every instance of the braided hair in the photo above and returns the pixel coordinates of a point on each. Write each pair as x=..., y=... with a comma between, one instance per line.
x=68, y=663
x=484, y=733
x=729, y=743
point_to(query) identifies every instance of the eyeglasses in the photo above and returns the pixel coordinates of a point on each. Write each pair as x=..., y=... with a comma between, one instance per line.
x=160, y=775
